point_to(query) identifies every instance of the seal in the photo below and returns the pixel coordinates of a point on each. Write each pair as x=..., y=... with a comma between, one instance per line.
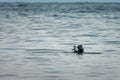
x=79, y=50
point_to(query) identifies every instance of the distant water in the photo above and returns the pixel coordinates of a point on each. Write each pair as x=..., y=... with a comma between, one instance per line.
x=33, y=37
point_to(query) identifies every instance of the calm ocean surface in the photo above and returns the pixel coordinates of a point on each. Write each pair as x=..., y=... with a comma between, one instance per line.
x=34, y=37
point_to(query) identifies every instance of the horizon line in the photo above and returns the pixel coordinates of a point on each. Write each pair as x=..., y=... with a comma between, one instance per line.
x=57, y=2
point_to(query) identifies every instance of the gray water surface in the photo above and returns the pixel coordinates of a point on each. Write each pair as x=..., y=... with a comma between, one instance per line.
x=34, y=37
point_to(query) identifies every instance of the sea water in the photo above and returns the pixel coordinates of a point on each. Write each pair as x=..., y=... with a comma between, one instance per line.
x=34, y=37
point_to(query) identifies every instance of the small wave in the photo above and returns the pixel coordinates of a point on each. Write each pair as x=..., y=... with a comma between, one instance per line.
x=7, y=75
x=112, y=42
x=22, y=4
x=38, y=28
x=43, y=50
x=90, y=35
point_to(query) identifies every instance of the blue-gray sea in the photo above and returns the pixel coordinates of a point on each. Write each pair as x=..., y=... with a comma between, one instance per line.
x=34, y=37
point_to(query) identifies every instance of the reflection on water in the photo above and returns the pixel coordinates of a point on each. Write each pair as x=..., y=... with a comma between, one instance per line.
x=34, y=37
